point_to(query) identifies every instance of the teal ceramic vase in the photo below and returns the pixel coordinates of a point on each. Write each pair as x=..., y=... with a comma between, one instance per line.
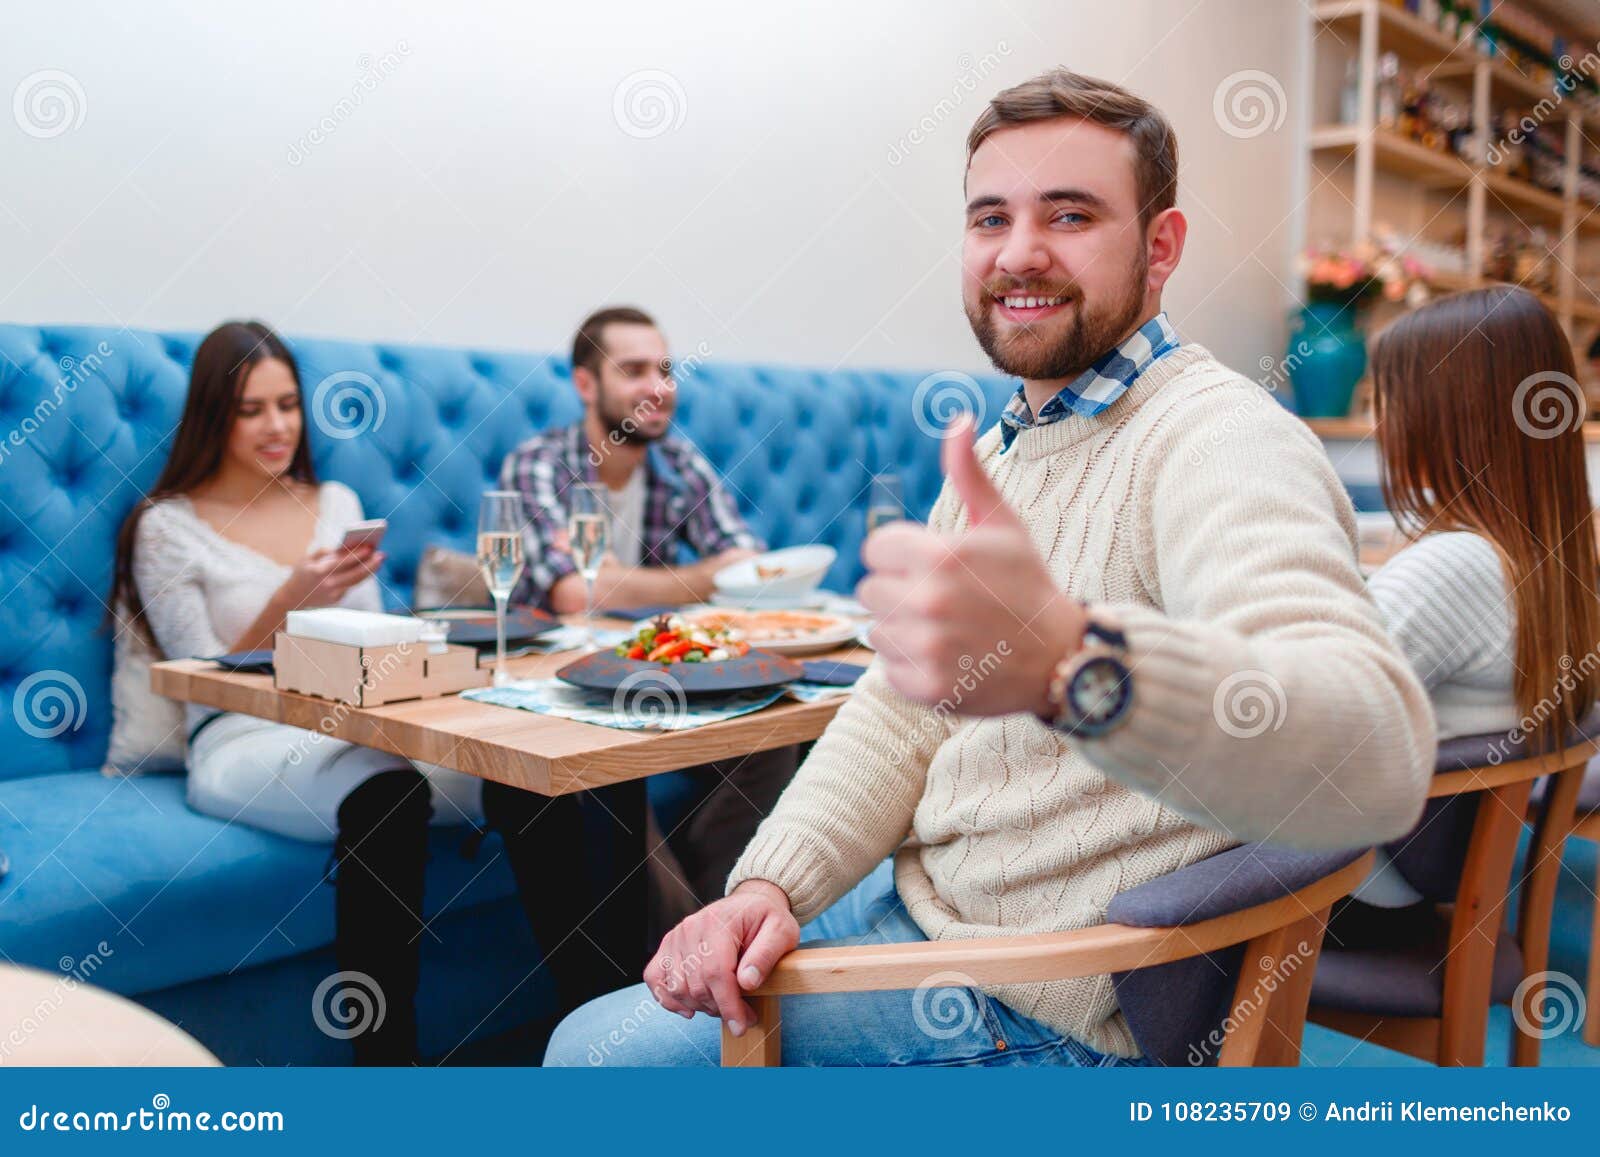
x=1326, y=357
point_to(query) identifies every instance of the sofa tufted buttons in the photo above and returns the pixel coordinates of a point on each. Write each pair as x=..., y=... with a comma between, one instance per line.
x=407, y=471
x=483, y=367
x=389, y=360
x=450, y=413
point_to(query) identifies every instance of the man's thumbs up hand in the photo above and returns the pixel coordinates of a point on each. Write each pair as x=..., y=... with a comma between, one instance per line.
x=973, y=619
x=975, y=488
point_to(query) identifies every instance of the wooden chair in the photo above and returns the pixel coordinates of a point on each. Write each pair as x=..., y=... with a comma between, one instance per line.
x=1427, y=989
x=1251, y=906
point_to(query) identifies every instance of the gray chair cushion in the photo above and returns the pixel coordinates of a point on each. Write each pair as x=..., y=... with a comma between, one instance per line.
x=1405, y=978
x=1229, y=881
x=1176, y=1010
x=1432, y=854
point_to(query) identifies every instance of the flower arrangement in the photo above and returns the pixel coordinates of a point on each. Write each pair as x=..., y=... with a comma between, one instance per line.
x=1363, y=273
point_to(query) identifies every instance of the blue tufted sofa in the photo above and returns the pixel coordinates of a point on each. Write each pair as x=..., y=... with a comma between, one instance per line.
x=224, y=929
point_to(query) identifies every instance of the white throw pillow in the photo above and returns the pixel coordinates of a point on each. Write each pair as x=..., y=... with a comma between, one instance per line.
x=448, y=578
x=147, y=730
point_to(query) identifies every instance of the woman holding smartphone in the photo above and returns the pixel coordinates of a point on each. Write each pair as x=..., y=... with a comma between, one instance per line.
x=236, y=533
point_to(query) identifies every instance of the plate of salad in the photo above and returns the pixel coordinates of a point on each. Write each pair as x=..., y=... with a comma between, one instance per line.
x=701, y=660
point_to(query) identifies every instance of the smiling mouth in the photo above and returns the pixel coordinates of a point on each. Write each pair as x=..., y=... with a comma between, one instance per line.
x=1028, y=307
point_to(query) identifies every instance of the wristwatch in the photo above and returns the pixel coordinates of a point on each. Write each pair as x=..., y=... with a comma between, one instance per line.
x=1091, y=692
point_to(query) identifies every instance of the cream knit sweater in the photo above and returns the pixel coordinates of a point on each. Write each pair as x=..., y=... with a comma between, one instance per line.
x=1268, y=701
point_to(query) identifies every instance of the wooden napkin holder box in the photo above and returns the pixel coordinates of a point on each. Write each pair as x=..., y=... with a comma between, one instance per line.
x=373, y=676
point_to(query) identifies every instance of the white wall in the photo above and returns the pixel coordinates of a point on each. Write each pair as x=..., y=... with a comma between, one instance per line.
x=479, y=190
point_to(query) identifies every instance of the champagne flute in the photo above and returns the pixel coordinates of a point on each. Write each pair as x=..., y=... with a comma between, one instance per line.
x=500, y=557
x=589, y=537
x=885, y=502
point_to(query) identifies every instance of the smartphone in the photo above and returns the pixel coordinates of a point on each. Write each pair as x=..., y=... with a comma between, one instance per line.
x=368, y=533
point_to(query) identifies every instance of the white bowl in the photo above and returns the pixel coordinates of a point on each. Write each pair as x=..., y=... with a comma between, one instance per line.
x=803, y=568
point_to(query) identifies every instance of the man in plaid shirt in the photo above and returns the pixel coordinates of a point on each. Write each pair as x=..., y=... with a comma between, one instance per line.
x=665, y=500
x=663, y=495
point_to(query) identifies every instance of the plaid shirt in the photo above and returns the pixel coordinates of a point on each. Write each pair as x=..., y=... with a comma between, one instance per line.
x=1092, y=391
x=684, y=505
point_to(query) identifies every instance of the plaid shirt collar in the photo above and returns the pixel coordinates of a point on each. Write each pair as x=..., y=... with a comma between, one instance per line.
x=659, y=470
x=1092, y=391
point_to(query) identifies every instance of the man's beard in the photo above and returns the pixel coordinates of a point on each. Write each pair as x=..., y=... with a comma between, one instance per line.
x=1091, y=334
x=625, y=427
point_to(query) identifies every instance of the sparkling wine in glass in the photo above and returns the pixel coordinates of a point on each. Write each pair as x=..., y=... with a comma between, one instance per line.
x=885, y=502
x=500, y=558
x=589, y=537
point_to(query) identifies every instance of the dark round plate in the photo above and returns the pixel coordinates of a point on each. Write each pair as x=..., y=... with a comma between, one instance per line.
x=608, y=671
x=474, y=626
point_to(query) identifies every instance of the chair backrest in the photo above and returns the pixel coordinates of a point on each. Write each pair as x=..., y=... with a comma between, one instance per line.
x=1432, y=855
x=1178, y=1011
x=87, y=414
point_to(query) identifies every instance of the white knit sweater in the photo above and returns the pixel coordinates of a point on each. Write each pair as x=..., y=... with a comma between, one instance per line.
x=201, y=590
x=1445, y=601
x=1268, y=701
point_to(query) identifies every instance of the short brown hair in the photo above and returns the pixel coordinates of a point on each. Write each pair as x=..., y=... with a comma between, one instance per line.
x=1063, y=93
x=588, y=351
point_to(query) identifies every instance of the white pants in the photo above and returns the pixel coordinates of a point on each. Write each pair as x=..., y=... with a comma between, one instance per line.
x=291, y=781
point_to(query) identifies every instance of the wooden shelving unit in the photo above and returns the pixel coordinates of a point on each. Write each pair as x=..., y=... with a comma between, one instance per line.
x=1376, y=167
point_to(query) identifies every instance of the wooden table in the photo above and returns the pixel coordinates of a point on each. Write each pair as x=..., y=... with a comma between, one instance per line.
x=55, y=1019
x=540, y=753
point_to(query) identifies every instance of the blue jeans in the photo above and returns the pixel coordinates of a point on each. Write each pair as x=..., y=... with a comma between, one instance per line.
x=936, y=1026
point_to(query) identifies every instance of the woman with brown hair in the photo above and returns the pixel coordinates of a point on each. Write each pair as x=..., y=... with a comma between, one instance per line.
x=1495, y=601
x=238, y=531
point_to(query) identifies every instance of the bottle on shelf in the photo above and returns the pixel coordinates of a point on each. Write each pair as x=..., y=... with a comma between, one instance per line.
x=1350, y=94
x=1389, y=92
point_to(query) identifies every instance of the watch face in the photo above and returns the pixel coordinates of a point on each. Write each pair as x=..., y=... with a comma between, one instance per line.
x=1099, y=693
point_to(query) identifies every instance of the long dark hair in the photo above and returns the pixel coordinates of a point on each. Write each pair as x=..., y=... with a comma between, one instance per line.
x=216, y=381
x=1479, y=423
